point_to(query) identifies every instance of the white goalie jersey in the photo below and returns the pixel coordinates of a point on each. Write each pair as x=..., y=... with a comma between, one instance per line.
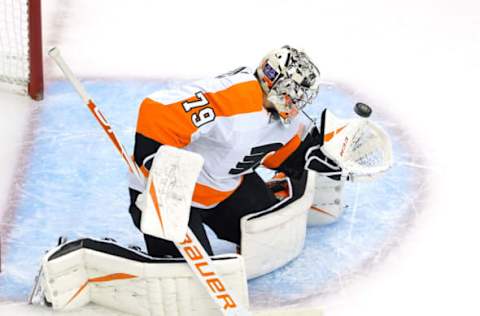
x=223, y=120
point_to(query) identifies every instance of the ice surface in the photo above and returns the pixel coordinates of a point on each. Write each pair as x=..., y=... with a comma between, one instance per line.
x=76, y=185
x=419, y=58
x=14, y=114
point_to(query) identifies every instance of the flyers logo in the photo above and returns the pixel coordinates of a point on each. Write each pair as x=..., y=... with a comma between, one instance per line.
x=255, y=157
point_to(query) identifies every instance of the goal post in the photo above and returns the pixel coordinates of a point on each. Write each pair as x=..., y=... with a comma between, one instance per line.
x=21, y=58
x=35, y=86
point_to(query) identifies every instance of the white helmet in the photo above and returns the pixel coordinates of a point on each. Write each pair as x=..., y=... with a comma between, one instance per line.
x=289, y=79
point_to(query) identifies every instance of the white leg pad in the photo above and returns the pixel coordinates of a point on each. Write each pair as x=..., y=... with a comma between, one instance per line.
x=271, y=240
x=80, y=272
x=327, y=204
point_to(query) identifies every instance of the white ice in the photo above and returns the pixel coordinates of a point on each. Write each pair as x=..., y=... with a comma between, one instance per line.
x=416, y=60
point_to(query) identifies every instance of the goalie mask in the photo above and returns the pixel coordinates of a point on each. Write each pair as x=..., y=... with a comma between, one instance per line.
x=289, y=79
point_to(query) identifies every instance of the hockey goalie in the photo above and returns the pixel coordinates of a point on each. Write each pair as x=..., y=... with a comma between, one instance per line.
x=196, y=154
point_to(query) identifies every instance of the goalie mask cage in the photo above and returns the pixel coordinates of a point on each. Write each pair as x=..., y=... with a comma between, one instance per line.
x=21, y=62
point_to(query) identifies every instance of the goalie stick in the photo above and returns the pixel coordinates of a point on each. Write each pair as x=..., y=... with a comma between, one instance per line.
x=191, y=249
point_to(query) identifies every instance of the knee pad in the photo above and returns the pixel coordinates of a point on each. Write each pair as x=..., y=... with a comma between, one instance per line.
x=270, y=239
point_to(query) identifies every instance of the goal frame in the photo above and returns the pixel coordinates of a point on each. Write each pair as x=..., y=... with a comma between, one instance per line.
x=35, y=82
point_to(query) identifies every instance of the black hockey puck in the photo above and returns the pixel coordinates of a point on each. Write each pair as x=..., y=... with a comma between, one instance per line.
x=362, y=109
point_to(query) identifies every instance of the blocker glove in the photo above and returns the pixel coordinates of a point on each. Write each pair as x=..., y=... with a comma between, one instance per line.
x=315, y=160
x=309, y=156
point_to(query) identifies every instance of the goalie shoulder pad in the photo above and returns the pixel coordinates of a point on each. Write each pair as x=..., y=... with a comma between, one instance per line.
x=102, y=272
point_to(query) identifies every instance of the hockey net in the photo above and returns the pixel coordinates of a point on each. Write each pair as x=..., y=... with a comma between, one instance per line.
x=21, y=68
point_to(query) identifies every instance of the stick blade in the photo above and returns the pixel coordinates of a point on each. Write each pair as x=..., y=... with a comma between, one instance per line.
x=170, y=188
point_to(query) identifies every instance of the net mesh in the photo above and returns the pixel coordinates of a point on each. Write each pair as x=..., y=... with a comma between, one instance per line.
x=14, y=48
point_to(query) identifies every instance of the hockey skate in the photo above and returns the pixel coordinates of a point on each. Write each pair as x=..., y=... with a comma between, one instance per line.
x=37, y=294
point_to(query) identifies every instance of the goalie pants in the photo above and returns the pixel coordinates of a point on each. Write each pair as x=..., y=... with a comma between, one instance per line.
x=224, y=219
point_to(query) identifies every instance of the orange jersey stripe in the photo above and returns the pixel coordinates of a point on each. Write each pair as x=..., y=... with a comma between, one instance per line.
x=202, y=194
x=170, y=124
x=245, y=97
x=164, y=124
x=274, y=160
x=208, y=196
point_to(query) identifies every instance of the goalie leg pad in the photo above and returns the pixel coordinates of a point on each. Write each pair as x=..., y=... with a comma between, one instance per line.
x=272, y=239
x=109, y=275
x=327, y=204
